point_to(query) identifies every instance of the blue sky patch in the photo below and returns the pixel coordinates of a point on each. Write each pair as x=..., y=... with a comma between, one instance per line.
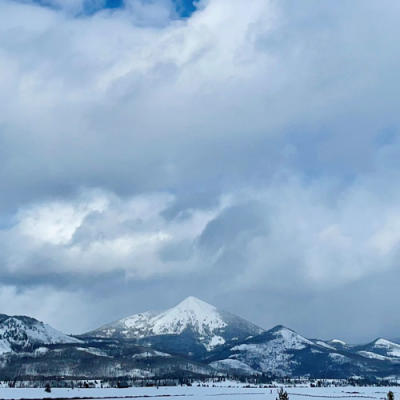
x=184, y=8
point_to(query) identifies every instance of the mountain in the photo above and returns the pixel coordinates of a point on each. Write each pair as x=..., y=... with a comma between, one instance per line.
x=192, y=327
x=193, y=339
x=269, y=352
x=381, y=349
x=29, y=348
x=283, y=352
x=21, y=333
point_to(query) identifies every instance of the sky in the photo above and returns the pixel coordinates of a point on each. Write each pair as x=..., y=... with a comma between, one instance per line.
x=244, y=152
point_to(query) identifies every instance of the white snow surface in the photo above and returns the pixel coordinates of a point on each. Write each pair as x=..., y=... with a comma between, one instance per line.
x=370, y=354
x=338, y=341
x=92, y=350
x=201, y=316
x=339, y=358
x=232, y=364
x=291, y=339
x=392, y=349
x=4, y=346
x=223, y=391
x=41, y=350
x=149, y=354
x=324, y=344
x=138, y=321
x=215, y=341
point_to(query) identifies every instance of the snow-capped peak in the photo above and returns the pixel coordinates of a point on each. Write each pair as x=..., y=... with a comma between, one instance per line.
x=380, y=348
x=386, y=347
x=271, y=351
x=23, y=332
x=385, y=343
x=192, y=303
x=338, y=341
x=202, y=321
x=192, y=313
x=289, y=338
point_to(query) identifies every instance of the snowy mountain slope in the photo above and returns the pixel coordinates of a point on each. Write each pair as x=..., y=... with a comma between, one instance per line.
x=5, y=347
x=380, y=349
x=202, y=317
x=282, y=352
x=21, y=333
x=197, y=321
x=334, y=344
x=234, y=366
x=338, y=344
x=323, y=343
x=270, y=351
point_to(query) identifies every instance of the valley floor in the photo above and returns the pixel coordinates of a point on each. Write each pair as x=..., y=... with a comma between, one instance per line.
x=227, y=392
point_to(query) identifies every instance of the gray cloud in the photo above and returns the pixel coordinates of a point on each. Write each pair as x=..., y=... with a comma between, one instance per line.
x=252, y=148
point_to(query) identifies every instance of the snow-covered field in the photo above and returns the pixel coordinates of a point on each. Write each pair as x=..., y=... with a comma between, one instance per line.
x=201, y=393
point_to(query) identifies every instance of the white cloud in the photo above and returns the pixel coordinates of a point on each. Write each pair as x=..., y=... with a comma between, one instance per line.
x=254, y=144
x=291, y=227
x=98, y=232
x=56, y=222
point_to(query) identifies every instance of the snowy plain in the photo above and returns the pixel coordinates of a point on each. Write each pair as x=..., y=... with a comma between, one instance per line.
x=225, y=392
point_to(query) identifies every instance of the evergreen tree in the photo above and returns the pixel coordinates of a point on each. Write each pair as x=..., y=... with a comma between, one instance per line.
x=282, y=395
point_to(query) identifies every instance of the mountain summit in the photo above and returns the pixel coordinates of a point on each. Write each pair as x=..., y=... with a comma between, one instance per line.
x=191, y=313
x=192, y=318
x=22, y=333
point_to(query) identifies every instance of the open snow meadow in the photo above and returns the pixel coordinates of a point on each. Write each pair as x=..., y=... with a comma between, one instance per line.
x=195, y=392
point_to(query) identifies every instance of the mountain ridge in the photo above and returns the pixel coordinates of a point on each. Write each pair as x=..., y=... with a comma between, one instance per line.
x=193, y=338
x=210, y=326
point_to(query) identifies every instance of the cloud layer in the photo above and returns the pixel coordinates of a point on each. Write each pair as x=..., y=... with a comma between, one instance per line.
x=247, y=155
